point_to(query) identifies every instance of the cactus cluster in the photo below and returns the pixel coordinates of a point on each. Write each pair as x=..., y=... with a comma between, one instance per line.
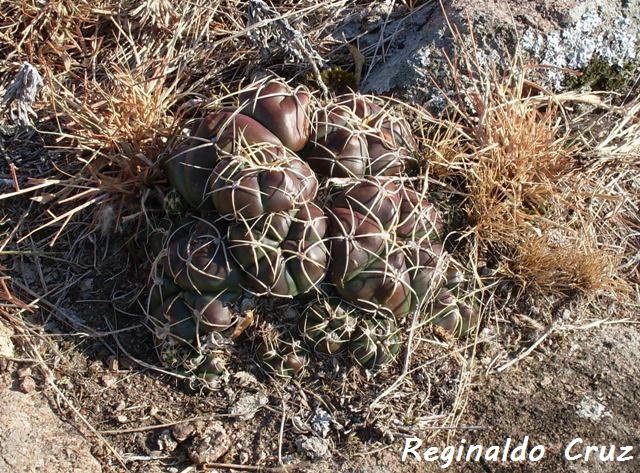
x=316, y=204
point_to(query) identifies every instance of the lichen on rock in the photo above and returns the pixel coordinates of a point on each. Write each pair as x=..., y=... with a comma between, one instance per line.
x=555, y=34
x=602, y=33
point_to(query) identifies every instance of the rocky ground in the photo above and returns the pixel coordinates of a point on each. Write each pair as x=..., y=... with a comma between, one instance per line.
x=578, y=382
x=578, y=385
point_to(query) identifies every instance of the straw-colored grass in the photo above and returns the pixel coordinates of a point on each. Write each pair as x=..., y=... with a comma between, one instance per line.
x=516, y=157
x=546, y=197
x=122, y=79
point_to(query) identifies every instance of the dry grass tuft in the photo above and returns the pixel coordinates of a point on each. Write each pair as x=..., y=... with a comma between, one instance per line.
x=556, y=268
x=519, y=162
x=124, y=113
x=121, y=78
x=118, y=127
x=528, y=198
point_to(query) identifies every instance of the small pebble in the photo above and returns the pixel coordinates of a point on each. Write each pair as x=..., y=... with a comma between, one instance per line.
x=107, y=380
x=166, y=442
x=27, y=384
x=112, y=364
x=183, y=431
x=313, y=447
x=248, y=404
x=210, y=445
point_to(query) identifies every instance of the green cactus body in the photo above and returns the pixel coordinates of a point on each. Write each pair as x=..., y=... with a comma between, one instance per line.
x=279, y=353
x=282, y=254
x=326, y=325
x=453, y=315
x=307, y=203
x=383, y=284
x=204, y=370
x=418, y=219
x=337, y=148
x=375, y=342
x=390, y=144
x=374, y=198
x=355, y=137
x=176, y=320
x=213, y=312
x=218, y=134
x=425, y=272
x=187, y=316
x=198, y=259
x=162, y=290
x=367, y=266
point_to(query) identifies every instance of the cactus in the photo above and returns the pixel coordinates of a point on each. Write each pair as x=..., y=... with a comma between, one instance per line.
x=285, y=112
x=418, y=219
x=218, y=134
x=338, y=147
x=355, y=137
x=453, y=308
x=279, y=352
x=202, y=367
x=426, y=267
x=377, y=199
x=198, y=260
x=368, y=266
x=326, y=325
x=282, y=254
x=186, y=316
x=454, y=316
x=375, y=342
x=262, y=180
x=311, y=203
x=389, y=140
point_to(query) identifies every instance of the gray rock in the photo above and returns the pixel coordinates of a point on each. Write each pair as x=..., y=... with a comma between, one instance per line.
x=589, y=408
x=321, y=422
x=248, y=404
x=314, y=448
x=34, y=439
x=6, y=345
x=556, y=33
x=606, y=29
x=210, y=444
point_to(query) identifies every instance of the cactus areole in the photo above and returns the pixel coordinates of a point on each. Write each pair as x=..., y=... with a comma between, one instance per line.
x=316, y=205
